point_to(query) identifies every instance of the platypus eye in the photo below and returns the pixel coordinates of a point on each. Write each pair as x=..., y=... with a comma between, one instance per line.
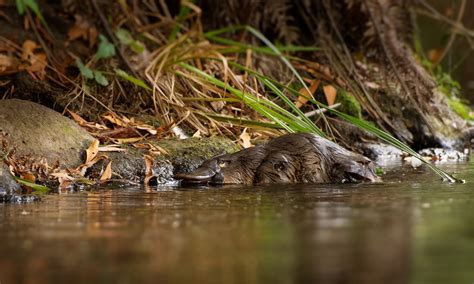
x=222, y=164
x=279, y=166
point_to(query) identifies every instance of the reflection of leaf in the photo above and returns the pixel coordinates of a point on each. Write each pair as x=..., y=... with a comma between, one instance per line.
x=85, y=71
x=107, y=174
x=106, y=49
x=99, y=78
x=132, y=79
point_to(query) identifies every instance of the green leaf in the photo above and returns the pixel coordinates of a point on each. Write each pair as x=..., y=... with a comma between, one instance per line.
x=124, y=36
x=20, y=6
x=99, y=78
x=137, y=47
x=85, y=71
x=36, y=187
x=106, y=49
x=34, y=7
x=132, y=79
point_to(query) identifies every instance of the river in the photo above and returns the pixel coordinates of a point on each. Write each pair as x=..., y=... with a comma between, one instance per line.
x=410, y=229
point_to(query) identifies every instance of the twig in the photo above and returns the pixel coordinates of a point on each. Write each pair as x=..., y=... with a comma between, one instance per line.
x=319, y=111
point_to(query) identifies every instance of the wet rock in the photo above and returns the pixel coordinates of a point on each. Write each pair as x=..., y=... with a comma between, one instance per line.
x=179, y=156
x=379, y=151
x=7, y=184
x=442, y=155
x=41, y=132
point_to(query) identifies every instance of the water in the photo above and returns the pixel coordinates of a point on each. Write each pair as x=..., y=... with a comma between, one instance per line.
x=410, y=229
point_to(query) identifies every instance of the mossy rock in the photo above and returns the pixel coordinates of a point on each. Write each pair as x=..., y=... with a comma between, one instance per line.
x=41, y=132
x=182, y=155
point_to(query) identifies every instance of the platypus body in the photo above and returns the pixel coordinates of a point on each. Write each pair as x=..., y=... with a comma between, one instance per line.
x=291, y=158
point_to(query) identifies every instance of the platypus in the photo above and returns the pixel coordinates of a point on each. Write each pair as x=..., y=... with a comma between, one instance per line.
x=290, y=158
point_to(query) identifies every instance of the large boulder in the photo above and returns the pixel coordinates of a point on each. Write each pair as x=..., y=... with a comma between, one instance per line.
x=41, y=132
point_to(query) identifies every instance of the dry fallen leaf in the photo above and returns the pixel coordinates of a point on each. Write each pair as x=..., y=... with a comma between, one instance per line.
x=244, y=139
x=303, y=99
x=92, y=151
x=107, y=174
x=37, y=62
x=112, y=148
x=148, y=168
x=330, y=92
x=111, y=117
x=8, y=65
x=434, y=54
x=77, y=118
x=128, y=140
x=28, y=49
x=83, y=29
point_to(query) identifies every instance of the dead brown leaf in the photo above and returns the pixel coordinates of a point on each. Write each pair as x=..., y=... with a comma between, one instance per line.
x=107, y=174
x=83, y=29
x=37, y=62
x=8, y=65
x=244, y=139
x=92, y=151
x=330, y=92
x=148, y=168
x=77, y=118
x=302, y=100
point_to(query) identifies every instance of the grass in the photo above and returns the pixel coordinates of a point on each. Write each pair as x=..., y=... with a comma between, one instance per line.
x=287, y=116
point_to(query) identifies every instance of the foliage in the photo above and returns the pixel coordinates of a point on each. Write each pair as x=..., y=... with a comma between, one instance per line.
x=106, y=49
x=132, y=79
x=126, y=38
x=22, y=5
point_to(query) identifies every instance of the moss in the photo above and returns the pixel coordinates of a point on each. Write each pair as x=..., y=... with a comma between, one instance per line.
x=197, y=147
x=348, y=103
x=451, y=89
x=460, y=108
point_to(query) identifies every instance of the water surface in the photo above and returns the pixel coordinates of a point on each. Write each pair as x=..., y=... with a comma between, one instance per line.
x=410, y=229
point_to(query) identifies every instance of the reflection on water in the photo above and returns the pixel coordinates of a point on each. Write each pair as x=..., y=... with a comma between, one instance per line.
x=410, y=229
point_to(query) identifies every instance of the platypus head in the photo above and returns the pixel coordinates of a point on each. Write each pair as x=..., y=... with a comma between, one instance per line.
x=237, y=168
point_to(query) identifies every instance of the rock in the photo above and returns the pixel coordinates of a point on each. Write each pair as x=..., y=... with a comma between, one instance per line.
x=443, y=155
x=8, y=184
x=379, y=151
x=180, y=156
x=41, y=132
x=10, y=190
